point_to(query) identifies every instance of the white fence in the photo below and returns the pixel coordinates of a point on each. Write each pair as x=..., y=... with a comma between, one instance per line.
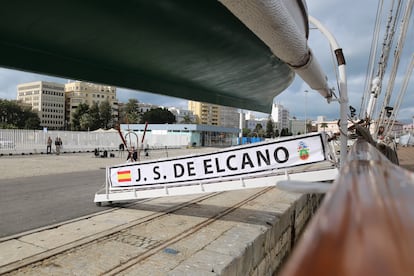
x=15, y=141
x=34, y=141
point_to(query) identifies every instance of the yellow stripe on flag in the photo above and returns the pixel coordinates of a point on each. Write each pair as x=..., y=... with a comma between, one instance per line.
x=124, y=176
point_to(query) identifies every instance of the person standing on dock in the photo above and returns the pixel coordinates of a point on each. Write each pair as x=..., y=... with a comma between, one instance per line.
x=58, y=144
x=49, y=145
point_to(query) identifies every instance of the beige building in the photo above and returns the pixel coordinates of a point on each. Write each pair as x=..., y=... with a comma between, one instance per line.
x=216, y=115
x=77, y=92
x=205, y=113
x=47, y=99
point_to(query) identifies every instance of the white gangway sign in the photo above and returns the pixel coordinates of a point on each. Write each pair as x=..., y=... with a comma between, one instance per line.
x=248, y=166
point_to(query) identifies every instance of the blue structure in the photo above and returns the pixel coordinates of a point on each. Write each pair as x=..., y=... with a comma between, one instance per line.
x=249, y=140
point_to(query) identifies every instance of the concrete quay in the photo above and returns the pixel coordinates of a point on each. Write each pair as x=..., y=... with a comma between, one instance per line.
x=254, y=239
x=406, y=157
x=251, y=239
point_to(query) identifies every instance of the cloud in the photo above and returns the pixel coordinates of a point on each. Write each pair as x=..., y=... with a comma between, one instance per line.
x=352, y=24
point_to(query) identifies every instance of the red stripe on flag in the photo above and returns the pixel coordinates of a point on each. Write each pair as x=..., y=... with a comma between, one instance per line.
x=124, y=172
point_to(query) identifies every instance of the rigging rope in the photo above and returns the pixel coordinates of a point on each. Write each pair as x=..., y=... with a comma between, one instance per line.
x=371, y=61
x=382, y=64
x=397, y=57
x=401, y=94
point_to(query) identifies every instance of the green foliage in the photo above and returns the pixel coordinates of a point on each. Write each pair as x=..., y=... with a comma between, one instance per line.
x=269, y=129
x=258, y=127
x=85, y=121
x=32, y=121
x=105, y=112
x=12, y=115
x=308, y=127
x=130, y=114
x=186, y=120
x=258, y=131
x=246, y=132
x=92, y=118
x=95, y=118
x=82, y=109
x=158, y=116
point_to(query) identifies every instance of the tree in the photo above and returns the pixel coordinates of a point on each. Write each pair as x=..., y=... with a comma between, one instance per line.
x=12, y=115
x=324, y=125
x=105, y=111
x=258, y=131
x=308, y=127
x=257, y=128
x=277, y=132
x=85, y=121
x=95, y=117
x=82, y=108
x=32, y=121
x=246, y=132
x=186, y=119
x=269, y=128
x=131, y=113
x=158, y=116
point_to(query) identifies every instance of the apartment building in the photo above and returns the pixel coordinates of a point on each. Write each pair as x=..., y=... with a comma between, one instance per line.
x=47, y=99
x=205, y=113
x=229, y=117
x=280, y=116
x=77, y=92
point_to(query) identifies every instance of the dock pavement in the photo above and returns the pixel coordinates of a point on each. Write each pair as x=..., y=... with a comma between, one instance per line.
x=49, y=164
x=232, y=245
x=406, y=157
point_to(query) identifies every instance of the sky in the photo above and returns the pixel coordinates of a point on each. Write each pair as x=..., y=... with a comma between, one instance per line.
x=352, y=24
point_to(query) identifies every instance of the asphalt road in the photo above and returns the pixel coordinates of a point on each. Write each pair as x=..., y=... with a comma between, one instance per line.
x=28, y=203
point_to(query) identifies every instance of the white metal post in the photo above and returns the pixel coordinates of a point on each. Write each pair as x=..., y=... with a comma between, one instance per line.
x=343, y=90
x=306, y=109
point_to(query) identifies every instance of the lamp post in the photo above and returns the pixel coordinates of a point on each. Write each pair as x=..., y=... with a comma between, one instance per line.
x=306, y=106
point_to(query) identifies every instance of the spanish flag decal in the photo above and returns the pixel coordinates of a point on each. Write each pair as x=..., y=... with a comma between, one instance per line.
x=124, y=176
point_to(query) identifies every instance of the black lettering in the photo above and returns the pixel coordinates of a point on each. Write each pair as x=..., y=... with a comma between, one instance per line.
x=218, y=166
x=190, y=167
x=246, y=161
x=156, y=172
x=207, y=165
x=261, y=157
x=139, y=176
x=285, y=152
x=228, y=163
x=178, y=173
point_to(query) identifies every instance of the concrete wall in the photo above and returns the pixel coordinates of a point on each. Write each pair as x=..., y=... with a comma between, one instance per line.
x=254, y=249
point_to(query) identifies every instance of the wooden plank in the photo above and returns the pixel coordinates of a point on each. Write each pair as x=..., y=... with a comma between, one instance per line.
x=365, y=225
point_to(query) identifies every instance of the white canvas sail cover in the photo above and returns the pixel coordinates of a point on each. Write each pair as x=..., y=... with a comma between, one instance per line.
x=283, y=26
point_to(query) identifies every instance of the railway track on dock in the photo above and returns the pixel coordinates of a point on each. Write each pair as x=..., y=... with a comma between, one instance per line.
x=135, y=241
